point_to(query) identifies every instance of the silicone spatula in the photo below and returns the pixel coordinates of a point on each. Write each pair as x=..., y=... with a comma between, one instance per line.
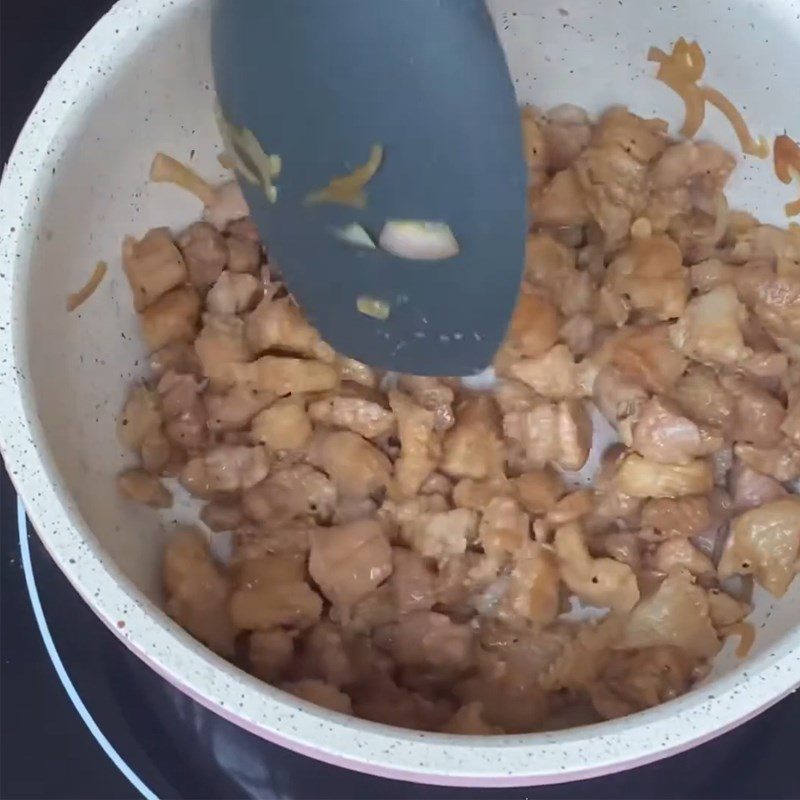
x=310, y=90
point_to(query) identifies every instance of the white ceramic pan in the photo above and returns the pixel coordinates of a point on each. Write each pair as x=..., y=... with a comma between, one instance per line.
x=77, y=182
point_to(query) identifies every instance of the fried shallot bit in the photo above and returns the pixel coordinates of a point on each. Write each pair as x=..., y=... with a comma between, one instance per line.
x=681, y=70
x=166, y=169
x=787, y=160
x=350, y=190
x=78, y=298
x=786, y=154
x=760, y=148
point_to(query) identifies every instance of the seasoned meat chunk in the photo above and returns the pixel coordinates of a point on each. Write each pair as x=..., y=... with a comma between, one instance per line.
x=205, y=253
x=283, y=426
x=349, y=561
x=173, y=317
x=271, y=592
x=153, y=266
x=598, y=581
x=473, y=448
x=765, y=541
x=356, y=467
x=364, y=417
x=225, y=468
x=197, y=591
x=294, y=491
x=279, y=324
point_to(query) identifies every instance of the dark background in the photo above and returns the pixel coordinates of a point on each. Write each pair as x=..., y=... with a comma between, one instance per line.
x=47, y=752
x=43, y=742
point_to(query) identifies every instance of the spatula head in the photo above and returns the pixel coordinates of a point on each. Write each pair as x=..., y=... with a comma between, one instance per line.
x=319, y=82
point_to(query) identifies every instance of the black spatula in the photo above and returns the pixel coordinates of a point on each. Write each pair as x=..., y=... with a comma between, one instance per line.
x=320, y=83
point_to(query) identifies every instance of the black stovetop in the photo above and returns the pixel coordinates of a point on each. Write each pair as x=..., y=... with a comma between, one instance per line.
x=83, y=718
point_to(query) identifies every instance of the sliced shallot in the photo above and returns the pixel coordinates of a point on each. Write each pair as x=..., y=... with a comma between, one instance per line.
x=419, y=240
